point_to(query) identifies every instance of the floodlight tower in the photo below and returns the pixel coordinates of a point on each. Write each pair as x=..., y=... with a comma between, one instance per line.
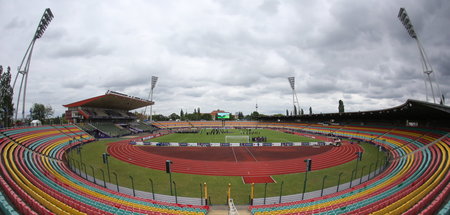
x=150, y=96
x=25, y=64
x=294, y=94
x=426, y=66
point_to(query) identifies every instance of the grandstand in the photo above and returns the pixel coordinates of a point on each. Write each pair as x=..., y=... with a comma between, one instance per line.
x=108, y=115
x=411, y=113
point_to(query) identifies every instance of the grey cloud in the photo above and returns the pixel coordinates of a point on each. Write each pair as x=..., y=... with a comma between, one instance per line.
x=442, y=64
x=322, y=86
x=120, y=84
x=85, y=48
x=228, y=54
x=270, y=6
x=15, y=23
x=77, y=84
x=55, y=34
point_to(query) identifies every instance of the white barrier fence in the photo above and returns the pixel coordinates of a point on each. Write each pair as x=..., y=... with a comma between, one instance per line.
x=233, y=144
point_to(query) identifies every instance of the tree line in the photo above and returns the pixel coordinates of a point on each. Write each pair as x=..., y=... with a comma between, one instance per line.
x=341, y=109
x=196, y=115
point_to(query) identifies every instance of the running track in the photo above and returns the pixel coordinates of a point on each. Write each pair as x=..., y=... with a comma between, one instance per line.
x=234, y=161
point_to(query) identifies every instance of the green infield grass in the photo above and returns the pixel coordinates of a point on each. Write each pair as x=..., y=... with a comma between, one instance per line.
x=205, y=136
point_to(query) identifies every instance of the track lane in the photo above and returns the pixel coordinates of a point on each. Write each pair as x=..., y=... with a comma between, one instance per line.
x=193, y=164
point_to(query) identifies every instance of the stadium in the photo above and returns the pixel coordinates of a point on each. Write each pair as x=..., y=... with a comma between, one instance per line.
x=64, y=169
x=107, y=158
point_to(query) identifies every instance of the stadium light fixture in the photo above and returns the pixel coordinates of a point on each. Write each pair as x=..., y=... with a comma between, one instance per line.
x=294, y=95
x=150, y=96
x=43, y=24
x=25, y=64
x=154, y=80
x=292, y=82
x=426, y=66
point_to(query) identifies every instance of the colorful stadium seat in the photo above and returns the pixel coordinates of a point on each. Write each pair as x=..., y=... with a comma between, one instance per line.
x=35, y=178
x=413, y=183
x=38, y=181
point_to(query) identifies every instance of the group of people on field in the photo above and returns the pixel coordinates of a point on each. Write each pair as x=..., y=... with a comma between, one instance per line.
x=249, y=132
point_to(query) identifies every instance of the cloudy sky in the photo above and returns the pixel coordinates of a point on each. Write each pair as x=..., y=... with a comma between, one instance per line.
x=230, y=55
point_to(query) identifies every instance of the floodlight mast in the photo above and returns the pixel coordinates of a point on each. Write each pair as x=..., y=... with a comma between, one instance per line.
x=24, y=67
x=150, y=96
x=426, y=66
x=294, y=94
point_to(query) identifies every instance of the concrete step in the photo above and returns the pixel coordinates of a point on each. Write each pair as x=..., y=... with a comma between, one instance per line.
x=223, y=210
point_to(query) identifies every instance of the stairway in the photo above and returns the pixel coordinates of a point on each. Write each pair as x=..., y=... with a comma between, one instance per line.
x=223, y=210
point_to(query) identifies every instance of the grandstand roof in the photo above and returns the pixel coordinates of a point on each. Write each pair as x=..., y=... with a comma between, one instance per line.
x=112, y=100
x=410, y=110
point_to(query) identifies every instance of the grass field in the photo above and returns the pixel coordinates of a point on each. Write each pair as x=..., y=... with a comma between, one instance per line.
x=273, y=136
x=189, y=184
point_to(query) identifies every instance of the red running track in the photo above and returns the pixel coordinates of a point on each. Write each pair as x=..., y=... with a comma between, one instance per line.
x=257, y=179
x=234, y=161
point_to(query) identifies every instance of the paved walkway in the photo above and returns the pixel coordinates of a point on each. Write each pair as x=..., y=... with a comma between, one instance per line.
x=256, y=201
x=313, y=194
x=223, y=210
x=144, y=194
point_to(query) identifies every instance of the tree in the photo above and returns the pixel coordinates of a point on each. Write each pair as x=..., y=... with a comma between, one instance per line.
x=287, y=112
x=160, y=117
x=174, y=116
x=254, y=115
x=48, y=112
x=190, y=116
x=6, y=97
x=240, y=115
x=41, y=112
x=295, y=110
x=301, y=111
x=181, y=115
x=341, y=106
x=196, y=115
x=38, y=112
x=310, y=111
x=206, y=116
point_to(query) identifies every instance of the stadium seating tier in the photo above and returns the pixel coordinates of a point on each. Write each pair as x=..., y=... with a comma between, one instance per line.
x=35, y=178
x=38, y=181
